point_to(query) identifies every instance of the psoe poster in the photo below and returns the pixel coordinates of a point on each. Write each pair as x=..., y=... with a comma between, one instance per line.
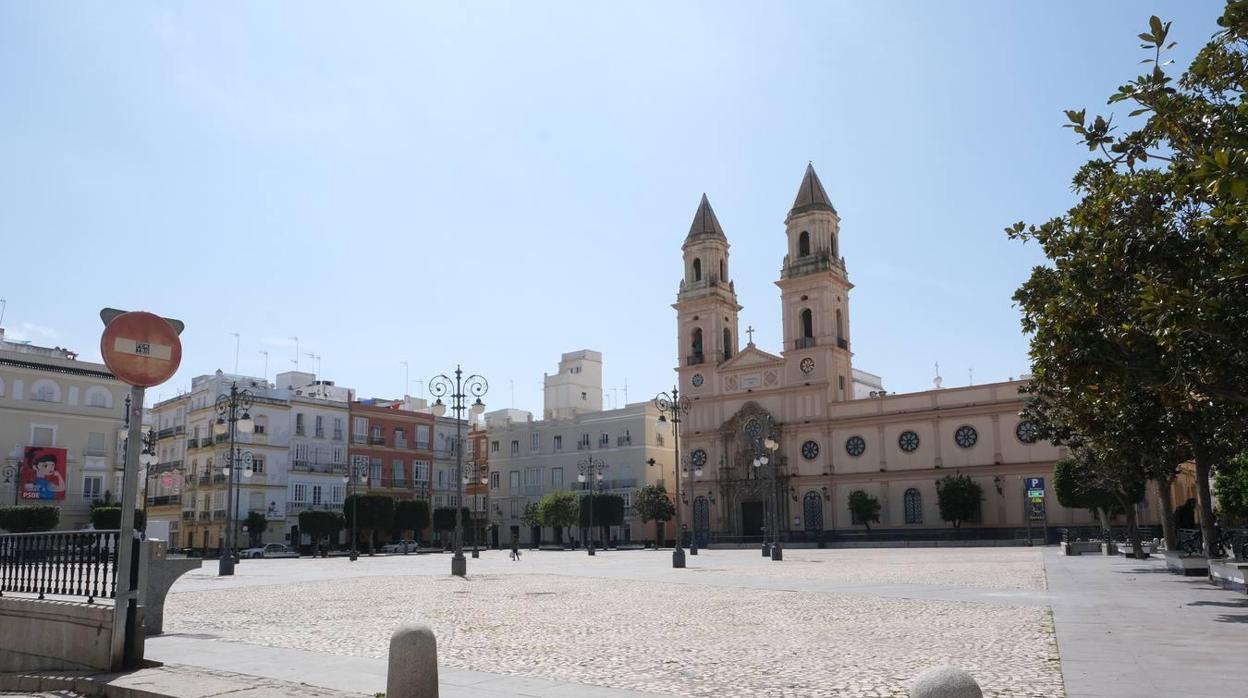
x=43, y=473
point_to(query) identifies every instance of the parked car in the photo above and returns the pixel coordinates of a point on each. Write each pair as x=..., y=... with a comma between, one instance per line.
x=403, y=546
x=270, y=550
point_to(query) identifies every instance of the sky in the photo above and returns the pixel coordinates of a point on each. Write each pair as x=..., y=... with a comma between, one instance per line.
x=495, y=183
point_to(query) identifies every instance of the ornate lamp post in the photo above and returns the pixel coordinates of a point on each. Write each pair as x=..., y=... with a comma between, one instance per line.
x=689, y=500
x=459, y=390
x=147, y=457
x=765, y=453
x=672, y=409
x=233, y=416
x=352, y=476
x=11, y=469
x=591, y=469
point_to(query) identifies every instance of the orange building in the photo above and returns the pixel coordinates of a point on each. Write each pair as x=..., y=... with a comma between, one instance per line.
x=391, y=448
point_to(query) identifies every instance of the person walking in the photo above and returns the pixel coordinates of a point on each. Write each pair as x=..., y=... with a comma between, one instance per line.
x=515, y=548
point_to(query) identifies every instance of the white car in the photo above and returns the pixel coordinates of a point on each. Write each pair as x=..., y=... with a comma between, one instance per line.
x=403, y=546
x=270, y=550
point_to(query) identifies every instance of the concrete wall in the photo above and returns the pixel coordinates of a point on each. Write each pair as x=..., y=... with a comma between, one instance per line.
x=36, y=635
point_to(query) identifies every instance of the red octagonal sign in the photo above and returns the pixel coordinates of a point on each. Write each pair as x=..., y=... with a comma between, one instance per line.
x=141, y=348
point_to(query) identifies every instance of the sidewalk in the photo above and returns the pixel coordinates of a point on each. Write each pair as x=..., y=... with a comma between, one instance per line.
x=347, y=675
x=1127, y=628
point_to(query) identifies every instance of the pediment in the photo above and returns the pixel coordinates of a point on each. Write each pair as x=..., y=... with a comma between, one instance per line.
x=750, y=357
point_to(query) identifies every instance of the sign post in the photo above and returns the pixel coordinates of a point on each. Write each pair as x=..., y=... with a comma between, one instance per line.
x=142, y=350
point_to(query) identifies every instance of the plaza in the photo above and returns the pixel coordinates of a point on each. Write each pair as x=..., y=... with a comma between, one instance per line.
x=857, y=622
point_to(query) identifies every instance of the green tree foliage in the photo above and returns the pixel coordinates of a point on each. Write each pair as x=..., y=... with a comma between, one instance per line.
x=958, y=497
x=557, y=509
x=376, y=513
x=1231, y=486
x=109, y=518
x=652, y=504
x=29, y=519
x=864, y=508
x=608, y=510
x=256, y=526
x=444, y=518
x=320, y=525
x=1104, y=483
x=1142, y=313
x=411, y=515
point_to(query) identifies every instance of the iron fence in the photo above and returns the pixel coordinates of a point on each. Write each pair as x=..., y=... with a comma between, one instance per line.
x=64, y=563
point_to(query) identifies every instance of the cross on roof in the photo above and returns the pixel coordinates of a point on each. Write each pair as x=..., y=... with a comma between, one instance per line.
x=750, y=331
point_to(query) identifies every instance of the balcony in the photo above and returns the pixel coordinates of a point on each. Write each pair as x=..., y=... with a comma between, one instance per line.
x=167, y=467
x=300, y=431
x=294, y=508
x=218, y=515
x=842, y=343
x=624, y=441
x=695, y=359
x=180, y=429
x=205, y=515
x=95, y=452
x=188, y=516
x=804, y=343
x=337, y=435
x=400, y=443
x=306, y=466
x=164, y=433
x=163, y=500
x=376, y=441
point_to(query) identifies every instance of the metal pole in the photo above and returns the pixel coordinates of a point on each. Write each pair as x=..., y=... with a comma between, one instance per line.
x=777, y=552
x=125, y=611
x=459, y=566
x=678, y=555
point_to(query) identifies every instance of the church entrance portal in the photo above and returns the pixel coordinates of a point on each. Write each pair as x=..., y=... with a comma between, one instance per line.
x=751, y=518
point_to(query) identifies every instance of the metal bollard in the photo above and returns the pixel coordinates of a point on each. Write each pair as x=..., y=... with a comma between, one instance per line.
x=413, y=667
x=945, y=682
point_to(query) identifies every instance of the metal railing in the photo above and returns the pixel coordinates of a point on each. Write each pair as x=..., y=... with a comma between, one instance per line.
x=161, y=500
x=695, y=359
x=67, y=563
x=803, y=342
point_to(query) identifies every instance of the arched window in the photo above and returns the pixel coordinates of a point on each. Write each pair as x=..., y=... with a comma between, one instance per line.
x=808, y=324
x=697, y=270
x=723, y=271
x=727, y=344
x=701, y=515
x=696, y=347
x=803, y=244
x=45, y=390
x=834, y=254
x=840, y=327
x=99, y=397
x=812, y=511
x=914, y=506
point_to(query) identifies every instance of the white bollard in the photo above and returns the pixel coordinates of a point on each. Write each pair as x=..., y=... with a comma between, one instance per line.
x=945, y=682
x=413, y=667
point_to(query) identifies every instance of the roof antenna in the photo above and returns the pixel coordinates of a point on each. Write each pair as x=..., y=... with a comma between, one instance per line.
x=3, y=305
x=971, y=373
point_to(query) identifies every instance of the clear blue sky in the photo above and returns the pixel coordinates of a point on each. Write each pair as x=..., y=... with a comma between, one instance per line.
x=497, y=183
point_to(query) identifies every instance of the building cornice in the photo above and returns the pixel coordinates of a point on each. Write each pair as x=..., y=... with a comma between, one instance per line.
x=64, y=370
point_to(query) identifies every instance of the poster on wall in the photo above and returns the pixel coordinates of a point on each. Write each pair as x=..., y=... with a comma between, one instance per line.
x=43, y=473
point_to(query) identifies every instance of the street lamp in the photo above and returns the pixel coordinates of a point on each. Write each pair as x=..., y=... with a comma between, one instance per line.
x=147, y=458
x=459, y=390
x=672, y=408
x=233, y=416
x=693, y=537
x=350, y=478
x=478, y=474
x=590, y=469
x=765, y=454
x=11, y=470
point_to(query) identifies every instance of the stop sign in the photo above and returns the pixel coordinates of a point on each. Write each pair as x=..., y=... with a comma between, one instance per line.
x=141, y=349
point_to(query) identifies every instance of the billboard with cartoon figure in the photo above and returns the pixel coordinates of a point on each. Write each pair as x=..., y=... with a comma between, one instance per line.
x=43, y=473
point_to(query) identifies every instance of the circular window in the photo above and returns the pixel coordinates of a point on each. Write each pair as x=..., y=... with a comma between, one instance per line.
x=698, y=458
x=908, y=441
x=697, y=380
x=965, y=436
x=808, y=365
x=1027, y=432
x=753, y=429
x=810, y=450
x=855, y=446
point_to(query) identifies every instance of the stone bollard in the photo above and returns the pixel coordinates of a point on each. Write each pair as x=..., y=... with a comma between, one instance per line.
x=413, y=669
x=945, y=682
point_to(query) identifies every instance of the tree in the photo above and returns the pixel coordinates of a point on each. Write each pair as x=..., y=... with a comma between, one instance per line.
x=29, y=519
x=109, y=518
x=411, y=515
x=320, y=525
x=1146, y=293
x=376, y=513
x=256, y=526
x=1231, y=487
x=608, y=510
x=958, y=497
x=444, y=518
x=864, y=508
x=558, y=510
x=1105, y=483
x=532, y=517
x=652, y=504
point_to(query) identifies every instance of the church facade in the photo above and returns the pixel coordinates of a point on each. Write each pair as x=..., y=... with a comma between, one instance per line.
x=824, y=444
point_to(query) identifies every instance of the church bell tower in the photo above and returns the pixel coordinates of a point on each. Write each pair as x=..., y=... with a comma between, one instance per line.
x=706, y=304
x=814, y=292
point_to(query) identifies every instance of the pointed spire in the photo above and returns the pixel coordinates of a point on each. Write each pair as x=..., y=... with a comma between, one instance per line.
x=811, y=196
x=705, y=224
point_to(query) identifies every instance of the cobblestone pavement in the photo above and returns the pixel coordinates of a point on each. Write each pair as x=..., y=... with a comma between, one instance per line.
x=607, y=622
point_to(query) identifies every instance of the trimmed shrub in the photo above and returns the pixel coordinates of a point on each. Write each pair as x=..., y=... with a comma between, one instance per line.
x=29, y=519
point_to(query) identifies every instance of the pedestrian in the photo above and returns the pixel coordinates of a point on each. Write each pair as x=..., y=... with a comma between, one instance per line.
x=515, y=548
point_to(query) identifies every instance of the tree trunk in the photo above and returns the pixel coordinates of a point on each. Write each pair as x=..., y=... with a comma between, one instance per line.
x=1102, y=515
x=1133, y=531
x=1167, y=512
x=658, y=534
x=1205, y=499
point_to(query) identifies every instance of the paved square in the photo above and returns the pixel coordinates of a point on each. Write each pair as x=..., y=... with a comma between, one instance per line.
x=821, y=623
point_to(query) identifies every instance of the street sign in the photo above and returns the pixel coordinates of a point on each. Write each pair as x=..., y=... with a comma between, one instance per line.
x=1035, y=483
x=1035, y=493
x=140, y=348
x=1037, y=500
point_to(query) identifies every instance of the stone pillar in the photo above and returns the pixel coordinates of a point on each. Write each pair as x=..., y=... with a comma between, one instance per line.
x=413, y=667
